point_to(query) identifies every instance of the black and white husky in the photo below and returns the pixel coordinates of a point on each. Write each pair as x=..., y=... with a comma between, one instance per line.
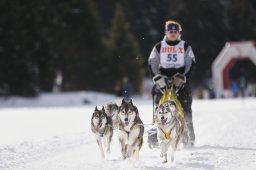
x=112, y=112
x=170, y=127
x=101, y=126
x=131, y=130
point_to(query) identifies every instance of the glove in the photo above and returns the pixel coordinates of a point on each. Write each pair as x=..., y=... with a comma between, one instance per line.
x=178, y=80
x=160, y=81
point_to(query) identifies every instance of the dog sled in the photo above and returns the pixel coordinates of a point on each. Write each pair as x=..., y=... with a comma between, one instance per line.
x=169, y=89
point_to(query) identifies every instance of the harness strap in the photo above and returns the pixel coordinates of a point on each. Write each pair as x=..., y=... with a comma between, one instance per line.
x=104, y=131
x=121, y=127
x=135, y=122
x=168, y=134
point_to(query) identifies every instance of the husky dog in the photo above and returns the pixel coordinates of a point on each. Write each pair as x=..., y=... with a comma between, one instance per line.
x=131, y=130
x=101, y=126
x=170, y=127
x=112, y=112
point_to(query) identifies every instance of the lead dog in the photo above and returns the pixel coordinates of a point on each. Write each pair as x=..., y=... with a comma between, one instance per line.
x=131, y=130
x=101, y=126
x=170, y=127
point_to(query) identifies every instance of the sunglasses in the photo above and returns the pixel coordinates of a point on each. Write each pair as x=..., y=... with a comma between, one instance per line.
x=173, y=32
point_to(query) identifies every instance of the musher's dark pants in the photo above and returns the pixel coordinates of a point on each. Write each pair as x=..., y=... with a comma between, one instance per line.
x=185, y=97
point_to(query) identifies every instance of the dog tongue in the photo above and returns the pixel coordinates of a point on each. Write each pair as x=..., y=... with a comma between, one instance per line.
x=99, y=125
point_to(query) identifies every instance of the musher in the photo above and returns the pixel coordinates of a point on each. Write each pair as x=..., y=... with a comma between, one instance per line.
x=169, y=57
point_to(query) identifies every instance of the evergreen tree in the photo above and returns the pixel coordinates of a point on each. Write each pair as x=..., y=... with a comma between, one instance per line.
x=146, y=18
x=39, y=38
x=42, y=33
x=208, y=25
x=18, y=72
x=125, y=59
x=240, y=20
x=81, y=47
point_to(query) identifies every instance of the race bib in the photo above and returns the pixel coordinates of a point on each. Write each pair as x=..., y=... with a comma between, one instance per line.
x=172, y=56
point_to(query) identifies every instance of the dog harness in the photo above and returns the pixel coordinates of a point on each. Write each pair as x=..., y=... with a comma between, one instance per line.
x=105, y=130
x=168, y=133
x=169, y=95
x=137, y=120
x=107, y=127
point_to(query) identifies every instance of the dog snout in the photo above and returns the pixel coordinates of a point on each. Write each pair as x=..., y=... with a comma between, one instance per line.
x=126, y=119
x=162, y=118
x=100, y=121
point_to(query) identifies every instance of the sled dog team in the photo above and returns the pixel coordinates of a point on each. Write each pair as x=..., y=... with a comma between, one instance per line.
x=125, y=118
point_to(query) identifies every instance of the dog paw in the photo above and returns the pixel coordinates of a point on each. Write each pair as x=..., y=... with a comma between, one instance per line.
x=190, y=144
x=124, y=157
x=164, y=158
x=164, y=161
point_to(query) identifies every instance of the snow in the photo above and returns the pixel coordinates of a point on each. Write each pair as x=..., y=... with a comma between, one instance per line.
x=59, y=138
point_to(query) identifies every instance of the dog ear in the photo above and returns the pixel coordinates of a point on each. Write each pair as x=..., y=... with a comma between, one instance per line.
x=96, y=108
x=119, y=109
x=172, y=104
x=123, y=101
x=115, y=106
x=103, y=109
x=131, y=101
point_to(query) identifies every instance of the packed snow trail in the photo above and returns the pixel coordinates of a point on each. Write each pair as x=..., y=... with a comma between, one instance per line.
x=61, y=139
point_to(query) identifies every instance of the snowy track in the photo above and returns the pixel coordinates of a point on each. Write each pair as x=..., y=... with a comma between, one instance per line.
x=60, y=139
